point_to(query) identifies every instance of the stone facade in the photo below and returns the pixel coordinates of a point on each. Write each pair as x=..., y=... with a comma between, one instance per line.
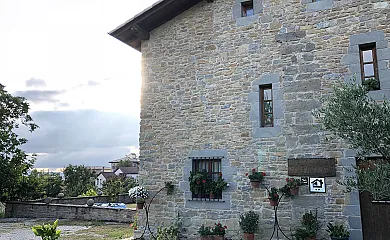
x=201, y=73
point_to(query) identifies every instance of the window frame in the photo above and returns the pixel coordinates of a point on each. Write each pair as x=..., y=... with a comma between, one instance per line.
x=210, y=174
x=262, y=88
x=374, y=62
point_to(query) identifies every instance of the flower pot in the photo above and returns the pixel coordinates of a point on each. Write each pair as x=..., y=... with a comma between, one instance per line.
x=311, y=238
x=212, y=195
x=294, y=191
x=206, y=238
x=249, y=236
x=273, y=203
x=255, y=184
x=339, y=238
x=219, y=237
x=140, y=205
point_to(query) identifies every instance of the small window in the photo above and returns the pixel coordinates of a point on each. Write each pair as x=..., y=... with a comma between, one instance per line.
x=213, y=169
x=368, y=63
x=266, y=106
x=247, y=9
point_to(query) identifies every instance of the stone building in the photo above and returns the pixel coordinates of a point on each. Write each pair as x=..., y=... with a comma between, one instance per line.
x=234, y=82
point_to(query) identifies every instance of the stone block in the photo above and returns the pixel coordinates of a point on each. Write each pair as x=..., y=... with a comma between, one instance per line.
x=368, y=37
x=319, y=5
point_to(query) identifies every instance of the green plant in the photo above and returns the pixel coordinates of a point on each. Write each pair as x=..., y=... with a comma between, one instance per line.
x=273, y=194
x=134, y=224
x=170, y=188
x=337, y=230
x=255, y=175
x=171, y=232
x=90, y=193
x=47, y=231
x=371, y=84
x=198, y=182
x=205, y=231
x=309, y=226
x=219, y=184
x=219, y=229
x=249, y=222
x=293, y=183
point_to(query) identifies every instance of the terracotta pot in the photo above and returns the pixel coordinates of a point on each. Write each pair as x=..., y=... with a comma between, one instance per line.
x=219, y=237
x=273, y=203
x=294, y=191
x=212, y=195
x=249, y=236
x=206, y=238
x=311, y=238
x=140, y=205
x=255, y=184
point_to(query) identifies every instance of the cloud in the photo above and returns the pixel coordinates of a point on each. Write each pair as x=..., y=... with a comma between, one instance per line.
x=81, y=137
x=40, y=96
x=93, y=83
x=34, y=82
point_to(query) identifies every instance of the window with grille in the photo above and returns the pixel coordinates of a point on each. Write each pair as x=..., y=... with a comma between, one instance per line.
x=211, y=168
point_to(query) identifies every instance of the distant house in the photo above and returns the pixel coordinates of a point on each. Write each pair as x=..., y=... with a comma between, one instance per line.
x=127, y=172
x=102, y=177
x=132, y=157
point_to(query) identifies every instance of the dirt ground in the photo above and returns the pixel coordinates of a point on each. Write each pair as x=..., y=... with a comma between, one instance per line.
x=16, y=228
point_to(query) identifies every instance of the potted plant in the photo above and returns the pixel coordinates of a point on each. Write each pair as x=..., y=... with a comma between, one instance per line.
x=138, y=194
x=293, y=185
x=198, y=182
x=205, y=233
x=219, y=231
x=337, y=232
x=218, y=186
x=273, y=196
x=309, y=227
x=256, y=177
x=249, y=223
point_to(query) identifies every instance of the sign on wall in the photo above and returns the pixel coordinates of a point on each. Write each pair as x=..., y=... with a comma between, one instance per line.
x=317, y=185
x=312, y=167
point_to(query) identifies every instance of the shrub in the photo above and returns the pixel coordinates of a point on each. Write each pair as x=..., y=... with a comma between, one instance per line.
x=47, y=231
x=249, y=222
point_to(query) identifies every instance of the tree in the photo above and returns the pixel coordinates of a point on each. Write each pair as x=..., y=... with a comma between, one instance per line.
x=14, y=162
x=78, y=180
x=364, y=124
x=124, y=163
x=117, y=185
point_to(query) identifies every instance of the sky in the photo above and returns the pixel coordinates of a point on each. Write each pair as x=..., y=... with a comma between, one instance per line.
x=83, y=85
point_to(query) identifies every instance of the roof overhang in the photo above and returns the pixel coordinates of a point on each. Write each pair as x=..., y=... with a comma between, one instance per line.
x=139, y=27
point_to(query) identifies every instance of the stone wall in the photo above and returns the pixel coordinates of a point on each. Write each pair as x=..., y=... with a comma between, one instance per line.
x=122, y=198
x=201, y=74
x=67, y=211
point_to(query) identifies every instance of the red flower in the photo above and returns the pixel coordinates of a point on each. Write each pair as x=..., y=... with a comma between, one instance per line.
x=225, y=226
x=221, y=229
x=254, y=170
x=220, y=174
x=263, y=174
x=287, y=179
x=203, y=181
x=246, y=174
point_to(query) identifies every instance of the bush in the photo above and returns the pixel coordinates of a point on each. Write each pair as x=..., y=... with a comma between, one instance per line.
x=249, y=222
x=47, y=231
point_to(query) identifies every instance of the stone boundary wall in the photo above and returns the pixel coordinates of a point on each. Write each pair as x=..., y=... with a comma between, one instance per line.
x=67, y=211
x=123, y=198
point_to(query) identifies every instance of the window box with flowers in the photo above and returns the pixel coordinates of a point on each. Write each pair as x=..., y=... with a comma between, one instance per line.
x=256, y=177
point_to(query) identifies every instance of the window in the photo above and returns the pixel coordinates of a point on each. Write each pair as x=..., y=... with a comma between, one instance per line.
x=266, y=106
x=212, y=168
x=368, y=62
x=247, y=9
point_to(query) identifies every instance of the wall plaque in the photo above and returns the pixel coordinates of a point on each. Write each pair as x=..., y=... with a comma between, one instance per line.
x=312, y=167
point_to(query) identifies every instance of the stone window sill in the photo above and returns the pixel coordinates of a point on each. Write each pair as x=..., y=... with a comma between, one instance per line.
x=206, y=200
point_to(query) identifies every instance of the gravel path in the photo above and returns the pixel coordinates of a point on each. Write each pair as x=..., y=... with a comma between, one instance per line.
x=20, y=229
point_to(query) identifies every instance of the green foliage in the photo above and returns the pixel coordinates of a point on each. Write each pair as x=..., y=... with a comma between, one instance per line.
x=124, y=163
x=47, y=231
x=78, y=180
x=170, y=188
x=374, y=179
x=198, y=181
x=337, y=230
x=309, y=226
x=249, y=222
x=14, y=162
x=117, y=185
x=219, y=229
x=371, y=84
x=364, y=124
x=39, y=184
x=255, y=175
x=205, y=231
x=90, y=193
x=273, y=194
x=171, y=232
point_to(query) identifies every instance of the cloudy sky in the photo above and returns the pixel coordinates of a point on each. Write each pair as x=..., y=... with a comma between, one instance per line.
x=82, y=84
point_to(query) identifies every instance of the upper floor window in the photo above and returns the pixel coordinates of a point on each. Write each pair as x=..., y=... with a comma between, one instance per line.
x=369, y=64
x=247, y=9
x=266, y=106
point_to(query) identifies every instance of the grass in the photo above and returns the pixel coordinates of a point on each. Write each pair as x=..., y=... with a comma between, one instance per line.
x=112, y=231
x=131, y=205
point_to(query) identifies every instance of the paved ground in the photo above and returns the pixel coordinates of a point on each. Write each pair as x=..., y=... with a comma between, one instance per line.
x=20, y=229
